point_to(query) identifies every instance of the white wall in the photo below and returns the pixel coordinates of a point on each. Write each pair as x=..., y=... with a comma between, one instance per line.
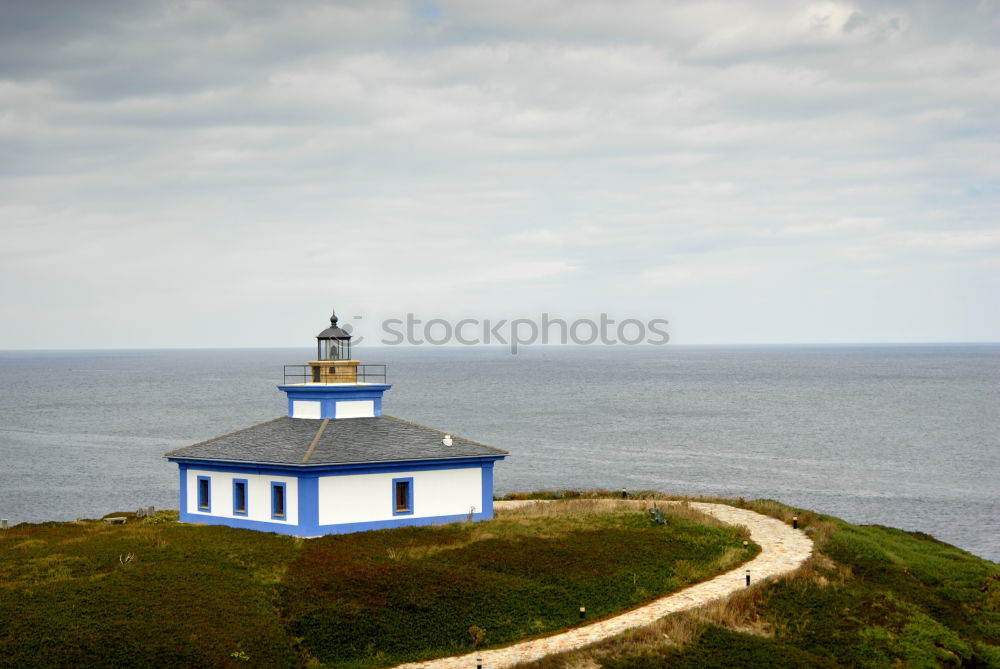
x=258, y=496
x=363, y=498
x=356, y=409
x=306, y=409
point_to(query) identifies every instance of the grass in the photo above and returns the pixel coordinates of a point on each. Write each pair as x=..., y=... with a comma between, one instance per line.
x=386, y=597
x=154, y=593
x=188, y=596
x=870, y=596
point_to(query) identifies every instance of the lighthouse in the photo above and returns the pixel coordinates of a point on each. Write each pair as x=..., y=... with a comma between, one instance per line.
x=333, y=385
x=335, y=463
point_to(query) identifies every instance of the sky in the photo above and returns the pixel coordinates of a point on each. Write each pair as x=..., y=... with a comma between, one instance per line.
x=202, y=174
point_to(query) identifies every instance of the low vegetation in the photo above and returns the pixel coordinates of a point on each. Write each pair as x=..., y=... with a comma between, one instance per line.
x=150, y=593
x=153, y=592
x=385, y=597
x=870, y=596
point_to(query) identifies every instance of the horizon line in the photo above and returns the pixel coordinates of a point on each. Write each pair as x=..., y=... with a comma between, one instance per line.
x=504, y=347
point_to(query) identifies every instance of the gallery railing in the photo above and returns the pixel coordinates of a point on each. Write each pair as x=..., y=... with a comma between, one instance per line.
x=308, y=374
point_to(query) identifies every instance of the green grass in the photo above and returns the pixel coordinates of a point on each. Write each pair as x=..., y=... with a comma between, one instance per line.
x=70, y=595
x=207, y=596
x=719, y=648
x=386, y=597
x=888, y=596
x=872, y=596
x=189, y=596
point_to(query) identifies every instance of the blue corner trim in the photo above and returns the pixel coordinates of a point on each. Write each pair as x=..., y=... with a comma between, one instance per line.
x=308, y=501
x=241, y=493
x=278, y=492
x=205, y=494
x=408, y=511
x=487, y=486
x=184, y=488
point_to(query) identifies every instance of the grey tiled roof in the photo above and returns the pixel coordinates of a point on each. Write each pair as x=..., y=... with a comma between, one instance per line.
x=302, y=441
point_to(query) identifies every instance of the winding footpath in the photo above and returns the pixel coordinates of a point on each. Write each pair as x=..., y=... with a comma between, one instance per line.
x=783, y=550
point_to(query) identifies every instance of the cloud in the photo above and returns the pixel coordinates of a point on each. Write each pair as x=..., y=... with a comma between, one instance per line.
x=849, y=225
x=234, y=157
x=690, y=274
x=961, y=240
x=524, y=271
x=542, y=236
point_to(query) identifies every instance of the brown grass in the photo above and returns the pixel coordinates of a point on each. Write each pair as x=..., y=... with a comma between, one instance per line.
x=526, y=515
x=570, y=507
x=812, y=523
x=740, y=611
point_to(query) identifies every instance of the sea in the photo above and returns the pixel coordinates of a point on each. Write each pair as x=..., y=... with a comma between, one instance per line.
x=899, y=435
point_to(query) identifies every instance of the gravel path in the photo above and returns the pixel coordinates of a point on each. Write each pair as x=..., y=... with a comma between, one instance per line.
x=782, y=550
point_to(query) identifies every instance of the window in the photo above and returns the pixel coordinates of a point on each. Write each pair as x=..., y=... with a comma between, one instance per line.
x=402, y=496
x=204, y=493
x=239, y=497
x=278, y=501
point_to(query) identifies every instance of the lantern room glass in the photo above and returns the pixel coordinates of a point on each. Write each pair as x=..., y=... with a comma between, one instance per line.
x=334, y=349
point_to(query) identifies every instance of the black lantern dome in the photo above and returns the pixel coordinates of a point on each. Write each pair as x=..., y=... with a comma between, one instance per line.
x=333, y=343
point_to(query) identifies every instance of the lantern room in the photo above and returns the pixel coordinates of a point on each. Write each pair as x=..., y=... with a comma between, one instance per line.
x=333, y=362
x=333, y=343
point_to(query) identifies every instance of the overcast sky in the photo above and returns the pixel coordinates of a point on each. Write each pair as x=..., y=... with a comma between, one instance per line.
x=222, y=173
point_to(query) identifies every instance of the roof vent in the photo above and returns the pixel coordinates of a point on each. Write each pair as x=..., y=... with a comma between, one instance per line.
x=447, y=440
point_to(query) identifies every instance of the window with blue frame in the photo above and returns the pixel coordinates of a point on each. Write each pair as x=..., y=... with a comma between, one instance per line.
x=402, y=496
x=278, y=501
x=204, y=493
x=239, y=497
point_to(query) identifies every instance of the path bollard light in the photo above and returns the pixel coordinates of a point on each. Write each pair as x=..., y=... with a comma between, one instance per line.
x=583, y=612
x=795, y=522
x=746, y=544
x=624, y=493
x=479, y=663
x=748, y=577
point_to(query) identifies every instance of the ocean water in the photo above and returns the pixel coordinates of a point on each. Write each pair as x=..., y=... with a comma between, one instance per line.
x=901, y=435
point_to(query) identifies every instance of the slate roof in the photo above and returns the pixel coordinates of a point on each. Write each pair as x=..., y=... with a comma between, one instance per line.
x=299, y=441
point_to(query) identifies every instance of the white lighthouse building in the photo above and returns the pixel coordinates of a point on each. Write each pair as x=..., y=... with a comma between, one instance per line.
x=335, y=463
